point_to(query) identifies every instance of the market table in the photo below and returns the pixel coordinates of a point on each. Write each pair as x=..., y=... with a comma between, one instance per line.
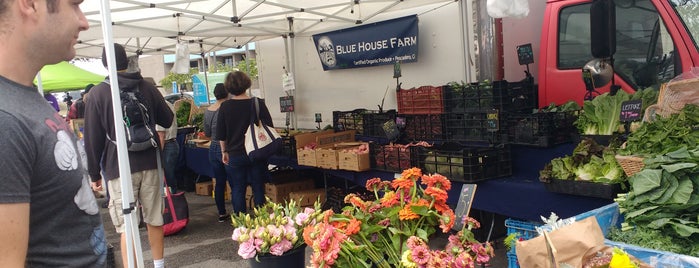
x=519, y=196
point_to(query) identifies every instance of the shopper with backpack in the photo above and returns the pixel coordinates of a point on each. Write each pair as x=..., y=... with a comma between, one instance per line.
x=143, y=107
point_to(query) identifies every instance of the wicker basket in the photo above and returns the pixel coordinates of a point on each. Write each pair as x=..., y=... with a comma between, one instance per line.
x=630, y=164
x=672, y=98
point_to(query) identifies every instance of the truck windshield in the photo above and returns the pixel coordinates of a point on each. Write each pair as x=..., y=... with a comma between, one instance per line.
x=688, y=11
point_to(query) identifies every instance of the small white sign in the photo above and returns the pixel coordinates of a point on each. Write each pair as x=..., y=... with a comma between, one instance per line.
x=288, y=82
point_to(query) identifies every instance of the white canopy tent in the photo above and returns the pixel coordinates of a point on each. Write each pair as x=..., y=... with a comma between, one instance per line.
x=154, y=27
x=207, y=25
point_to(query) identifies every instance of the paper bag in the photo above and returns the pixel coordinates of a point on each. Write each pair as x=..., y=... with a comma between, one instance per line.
x=571, y=243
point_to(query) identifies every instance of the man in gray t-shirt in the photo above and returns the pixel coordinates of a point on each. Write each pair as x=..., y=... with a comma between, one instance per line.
x=48, y=213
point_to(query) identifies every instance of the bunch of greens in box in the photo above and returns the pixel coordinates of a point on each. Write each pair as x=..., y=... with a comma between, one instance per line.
x=600, y=115
x=665, y=196
x=569, y=106
x=646, y=237
x=472, y=95
x=589, y=162
x=665, y=134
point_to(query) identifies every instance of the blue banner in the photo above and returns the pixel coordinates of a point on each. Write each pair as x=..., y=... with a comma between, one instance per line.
x=379, y=43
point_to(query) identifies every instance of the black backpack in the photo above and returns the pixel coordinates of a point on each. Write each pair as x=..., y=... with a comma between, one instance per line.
x=140, y=134
x=137, y=123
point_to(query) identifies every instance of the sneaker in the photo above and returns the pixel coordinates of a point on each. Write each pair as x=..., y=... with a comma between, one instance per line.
x=222, y=218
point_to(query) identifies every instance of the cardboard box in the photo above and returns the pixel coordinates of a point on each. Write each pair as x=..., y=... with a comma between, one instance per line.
x=227, y=193
x=321, y=157
x=306, y=157
x=353, y=161
x=204, y=188
x=279, y=193
x=307, y=198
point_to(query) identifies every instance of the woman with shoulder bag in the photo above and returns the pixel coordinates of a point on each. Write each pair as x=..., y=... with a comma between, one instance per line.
x=232, y=123
x=219, y=168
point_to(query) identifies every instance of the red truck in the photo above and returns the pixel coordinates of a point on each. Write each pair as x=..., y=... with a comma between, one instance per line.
x=656, y=40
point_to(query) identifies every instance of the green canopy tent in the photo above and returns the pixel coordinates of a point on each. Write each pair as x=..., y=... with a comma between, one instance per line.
x=64, y=76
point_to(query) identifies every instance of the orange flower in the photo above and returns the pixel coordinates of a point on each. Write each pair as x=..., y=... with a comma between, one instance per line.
x=402, y=183
x=438, y=194
x=411, y=173
x=407, y=213
x=441, y=207
x=356, y=201
x=422, y=202
x=307, y=234
x=353, y=227
x=447, y=221
x=389, y=199
x=436, y=180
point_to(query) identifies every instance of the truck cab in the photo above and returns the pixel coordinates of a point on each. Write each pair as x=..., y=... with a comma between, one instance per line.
x=656, y=40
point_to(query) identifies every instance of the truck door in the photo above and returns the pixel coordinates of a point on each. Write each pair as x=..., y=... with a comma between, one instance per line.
x=645, y=53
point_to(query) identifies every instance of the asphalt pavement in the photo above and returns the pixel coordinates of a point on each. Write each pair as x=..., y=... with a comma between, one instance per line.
x=205, y=242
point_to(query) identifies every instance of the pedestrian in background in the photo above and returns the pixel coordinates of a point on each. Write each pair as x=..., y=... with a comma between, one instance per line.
x=48, y=213
x=232, y=123
x=170, y=150
x=101, y=151
x=219, y=168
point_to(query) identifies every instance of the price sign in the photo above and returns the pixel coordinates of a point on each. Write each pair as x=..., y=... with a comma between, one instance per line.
x=525, y=54
x=391, y=129
x=631, y=110
x=492, y=122
x=286, y=103
x=468, y=191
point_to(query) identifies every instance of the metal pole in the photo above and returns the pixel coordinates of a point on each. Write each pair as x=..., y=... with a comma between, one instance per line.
x=133, y=239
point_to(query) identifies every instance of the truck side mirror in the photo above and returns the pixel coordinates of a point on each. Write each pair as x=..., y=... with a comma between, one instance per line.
x=603, y=28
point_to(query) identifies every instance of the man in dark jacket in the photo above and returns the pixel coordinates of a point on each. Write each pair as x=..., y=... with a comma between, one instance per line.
x=100, y=146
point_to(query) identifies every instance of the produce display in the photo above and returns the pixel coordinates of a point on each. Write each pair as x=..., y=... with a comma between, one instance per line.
x=600, y=116
x=182, y=113
x=665, y=196
x=665, y=134
x=589, y=162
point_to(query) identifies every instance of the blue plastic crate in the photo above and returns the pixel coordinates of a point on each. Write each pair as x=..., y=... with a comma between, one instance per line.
x=526, y=230
x=512, y=261
x=607, y=216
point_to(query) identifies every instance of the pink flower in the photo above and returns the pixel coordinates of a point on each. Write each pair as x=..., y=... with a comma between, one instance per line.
x=309, y=210
x=237, y=232
x=247, y=250
x=274, y=230
x=301, y=218
x=279, y=248
x=421, y=255
x=414, y=242
x=464, y=260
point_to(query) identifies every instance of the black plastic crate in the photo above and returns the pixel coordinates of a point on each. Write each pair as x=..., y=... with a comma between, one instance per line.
x=515, y=96
x=376, y=124
x=365, y=122
x=288, y=147
x=349, y=120
x=475, y=127
x=465, y=164
x=501, y=95
x=544, y=129
x=585, y=188
x=391, y=157
x=421, y=127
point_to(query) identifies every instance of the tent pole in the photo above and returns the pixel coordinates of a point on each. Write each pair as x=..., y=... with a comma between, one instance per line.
x=133, y=239
x=206, y=76
x=290, y=56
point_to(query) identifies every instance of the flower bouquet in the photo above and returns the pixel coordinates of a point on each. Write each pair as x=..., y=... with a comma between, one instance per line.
x=272, y=229
x=393, y=229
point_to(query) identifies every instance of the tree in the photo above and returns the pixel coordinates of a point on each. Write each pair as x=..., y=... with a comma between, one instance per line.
x=183, y=80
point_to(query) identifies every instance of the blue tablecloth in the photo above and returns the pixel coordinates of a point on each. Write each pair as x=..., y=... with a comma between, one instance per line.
x=519, y=196
x=197, y=159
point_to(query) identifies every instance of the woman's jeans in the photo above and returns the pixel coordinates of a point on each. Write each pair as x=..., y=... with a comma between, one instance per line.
x=171, y=153
x=220, y=175
x=243, y=172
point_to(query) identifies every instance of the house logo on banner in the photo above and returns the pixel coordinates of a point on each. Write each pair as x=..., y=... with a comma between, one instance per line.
x=326, y=51
x=380, y=43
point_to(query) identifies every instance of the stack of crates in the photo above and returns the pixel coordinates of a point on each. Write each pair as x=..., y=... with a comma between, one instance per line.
x=420, y=113
x=369, y=123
